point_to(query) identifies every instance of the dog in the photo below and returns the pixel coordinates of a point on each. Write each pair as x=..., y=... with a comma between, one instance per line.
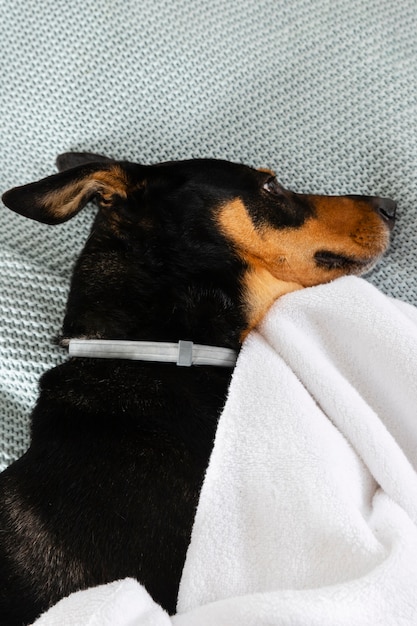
x=189, y=254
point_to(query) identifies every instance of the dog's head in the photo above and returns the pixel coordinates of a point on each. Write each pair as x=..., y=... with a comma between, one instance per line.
x=217, y=212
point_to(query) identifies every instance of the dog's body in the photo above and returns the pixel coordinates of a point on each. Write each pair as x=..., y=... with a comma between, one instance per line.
x=194, y=251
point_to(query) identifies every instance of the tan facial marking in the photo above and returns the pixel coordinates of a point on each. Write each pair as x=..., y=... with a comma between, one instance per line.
x=261, y=289
x=67, y=200
x=282, y=260
x=347, y=226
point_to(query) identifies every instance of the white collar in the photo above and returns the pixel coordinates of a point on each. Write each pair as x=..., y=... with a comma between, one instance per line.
x=183, y=353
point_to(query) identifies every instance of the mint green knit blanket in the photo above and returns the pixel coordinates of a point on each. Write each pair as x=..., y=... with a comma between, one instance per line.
x=322, y=91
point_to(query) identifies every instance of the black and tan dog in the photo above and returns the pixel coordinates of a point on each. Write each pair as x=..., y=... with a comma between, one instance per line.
x=196, y=251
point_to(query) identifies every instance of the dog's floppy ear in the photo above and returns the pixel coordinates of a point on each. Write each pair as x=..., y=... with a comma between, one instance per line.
x=67, y=160
x=57, y=198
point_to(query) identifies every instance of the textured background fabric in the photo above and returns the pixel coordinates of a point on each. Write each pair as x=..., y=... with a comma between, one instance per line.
x=322, y=91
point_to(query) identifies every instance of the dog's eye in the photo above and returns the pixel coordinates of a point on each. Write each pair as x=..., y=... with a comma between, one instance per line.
x=273, y=186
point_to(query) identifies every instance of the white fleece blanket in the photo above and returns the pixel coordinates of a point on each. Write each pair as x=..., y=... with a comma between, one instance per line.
x=308, y=512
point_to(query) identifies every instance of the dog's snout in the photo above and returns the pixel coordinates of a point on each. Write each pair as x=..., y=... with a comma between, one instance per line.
x=386, y=208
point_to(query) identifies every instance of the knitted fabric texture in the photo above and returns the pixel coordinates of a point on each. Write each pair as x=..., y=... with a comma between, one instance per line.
x=322, y=92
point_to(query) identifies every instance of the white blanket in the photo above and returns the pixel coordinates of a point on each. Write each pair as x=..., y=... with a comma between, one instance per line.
x=308, y=513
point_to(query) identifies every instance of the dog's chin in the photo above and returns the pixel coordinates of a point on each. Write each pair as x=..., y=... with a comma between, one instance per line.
x=367, y=267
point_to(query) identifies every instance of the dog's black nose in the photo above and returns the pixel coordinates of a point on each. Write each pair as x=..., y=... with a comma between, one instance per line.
x=386, y=208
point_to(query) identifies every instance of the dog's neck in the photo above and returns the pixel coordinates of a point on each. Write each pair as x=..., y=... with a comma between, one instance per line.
x=138, y=300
